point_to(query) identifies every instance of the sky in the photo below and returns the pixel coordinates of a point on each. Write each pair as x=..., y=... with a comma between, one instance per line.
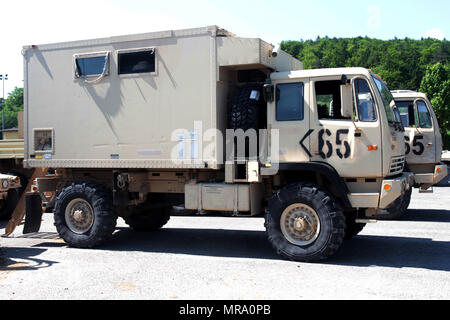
x=24, y=22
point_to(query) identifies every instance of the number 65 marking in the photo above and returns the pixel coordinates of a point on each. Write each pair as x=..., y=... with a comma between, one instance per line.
x=339, y=142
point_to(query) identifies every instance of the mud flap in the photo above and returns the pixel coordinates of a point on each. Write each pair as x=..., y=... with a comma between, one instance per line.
x=33, y=213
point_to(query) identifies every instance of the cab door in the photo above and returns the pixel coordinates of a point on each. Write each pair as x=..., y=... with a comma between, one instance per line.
x=352, y=147
x=422, y=139
x=289, y=115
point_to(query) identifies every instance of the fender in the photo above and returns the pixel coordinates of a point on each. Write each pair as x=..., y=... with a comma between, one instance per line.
x=325, y=170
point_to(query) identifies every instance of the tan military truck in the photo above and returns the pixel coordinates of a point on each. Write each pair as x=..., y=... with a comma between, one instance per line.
x=13, y=177
x=423, y=147
x=134, y=125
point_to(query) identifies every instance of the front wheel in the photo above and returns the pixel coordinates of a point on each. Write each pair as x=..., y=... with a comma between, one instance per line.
x=352, y=228
x=304, y=223
x=84, y=217
x=398, y=208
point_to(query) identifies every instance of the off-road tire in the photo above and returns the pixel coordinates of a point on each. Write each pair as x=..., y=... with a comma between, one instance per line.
x=9, y=204
x=398, y=208
x=13, y=197
x=332, y=222
x=147, y=219
x=104, y=217
x=352, y=229
x=247, y=113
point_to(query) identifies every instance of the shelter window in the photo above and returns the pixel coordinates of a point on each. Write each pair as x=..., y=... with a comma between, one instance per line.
x=93, y=64
x=137, y=61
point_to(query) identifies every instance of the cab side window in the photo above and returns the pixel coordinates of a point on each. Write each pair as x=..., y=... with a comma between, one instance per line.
x=328, y=99
x=406, y=109
x=290, y=102
x=365, y=101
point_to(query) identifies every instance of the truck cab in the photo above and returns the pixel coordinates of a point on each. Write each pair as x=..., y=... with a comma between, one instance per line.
x=423, y=138
x=423, y=146
x=344, y=120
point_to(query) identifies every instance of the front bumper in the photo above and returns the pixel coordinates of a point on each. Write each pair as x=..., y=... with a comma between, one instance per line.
x=8, y=182
x=392, y=189
x=431, y=179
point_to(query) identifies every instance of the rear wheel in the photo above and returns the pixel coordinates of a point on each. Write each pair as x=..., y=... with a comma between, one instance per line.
x=147, y=218
x=84, y=216
x=304, y=223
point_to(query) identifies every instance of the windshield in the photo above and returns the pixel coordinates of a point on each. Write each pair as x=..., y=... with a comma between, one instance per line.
x=386, y=96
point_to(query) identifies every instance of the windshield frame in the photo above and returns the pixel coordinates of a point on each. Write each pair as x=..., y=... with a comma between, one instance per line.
x=385, y=95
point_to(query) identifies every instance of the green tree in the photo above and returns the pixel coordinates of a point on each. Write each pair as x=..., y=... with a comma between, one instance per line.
x=14, y=104
x=400, y=62
x=436, y=84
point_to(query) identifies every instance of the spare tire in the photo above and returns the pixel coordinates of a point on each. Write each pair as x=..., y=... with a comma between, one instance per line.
x=248, y=110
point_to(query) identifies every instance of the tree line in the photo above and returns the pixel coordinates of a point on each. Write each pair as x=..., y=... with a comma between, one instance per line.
x=404, y=64
x=421, y=65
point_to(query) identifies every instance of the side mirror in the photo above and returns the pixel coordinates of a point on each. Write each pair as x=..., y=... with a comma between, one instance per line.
x=268, y=92
x=346, y=101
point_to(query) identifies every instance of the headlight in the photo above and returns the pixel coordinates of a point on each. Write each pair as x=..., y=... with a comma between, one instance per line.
x=5, y=184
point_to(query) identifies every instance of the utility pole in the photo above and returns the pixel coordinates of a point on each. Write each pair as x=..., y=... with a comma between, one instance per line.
x=3, y=78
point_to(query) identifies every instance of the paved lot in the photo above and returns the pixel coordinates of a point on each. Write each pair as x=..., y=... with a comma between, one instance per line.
x=229, y=258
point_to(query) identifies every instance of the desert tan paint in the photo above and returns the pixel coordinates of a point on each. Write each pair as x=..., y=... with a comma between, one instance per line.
x=424, y=155
x=128, y=121
x=131, y=121
x=361, y=162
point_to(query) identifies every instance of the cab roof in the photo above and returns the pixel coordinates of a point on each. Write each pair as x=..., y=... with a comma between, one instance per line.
x=408, y=94
x=320, y=73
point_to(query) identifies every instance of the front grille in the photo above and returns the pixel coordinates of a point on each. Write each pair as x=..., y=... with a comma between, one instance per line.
x=397, y=165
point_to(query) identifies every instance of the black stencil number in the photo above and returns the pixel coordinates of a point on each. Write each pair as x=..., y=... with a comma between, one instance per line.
x=322, y=144
x=342, y=153
x=408, y=148
x=418, y=143
x=339, y=133
x=418, y=147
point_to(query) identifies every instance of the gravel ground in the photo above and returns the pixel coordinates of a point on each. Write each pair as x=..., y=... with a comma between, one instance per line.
x=229, y=258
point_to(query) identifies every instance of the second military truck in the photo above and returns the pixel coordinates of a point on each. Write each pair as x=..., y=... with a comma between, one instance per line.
x=423, y=142
x=134, y=125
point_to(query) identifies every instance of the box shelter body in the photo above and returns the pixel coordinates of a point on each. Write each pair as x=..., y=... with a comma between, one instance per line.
x=128, y=101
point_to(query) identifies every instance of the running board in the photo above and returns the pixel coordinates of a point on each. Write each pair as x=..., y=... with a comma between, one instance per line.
x=365, y=221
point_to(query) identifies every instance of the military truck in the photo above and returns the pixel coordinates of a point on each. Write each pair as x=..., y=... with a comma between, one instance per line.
x=423, y=147
x=133, y=125
x=13, y=176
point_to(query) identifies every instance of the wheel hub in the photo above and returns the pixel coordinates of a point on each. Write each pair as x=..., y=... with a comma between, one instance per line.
x=300, y=224
x=79, y=216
